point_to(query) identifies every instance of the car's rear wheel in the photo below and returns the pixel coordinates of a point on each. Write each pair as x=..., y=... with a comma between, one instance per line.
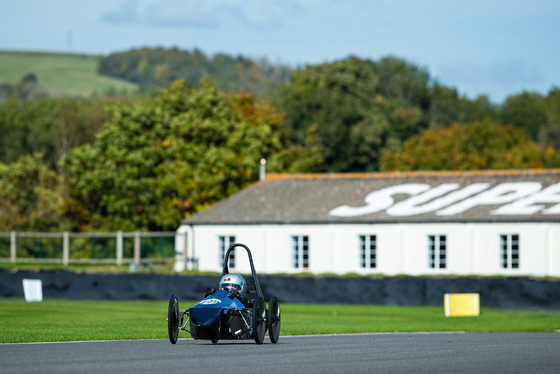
x=259, y=320
x=173, y=319
x=273, y=321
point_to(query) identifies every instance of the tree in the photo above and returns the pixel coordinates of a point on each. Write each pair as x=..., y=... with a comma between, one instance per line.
x=300, y=158
x=549, y=134
x=29, y=195
x=404, y=82
x=162, y=159
x=447, y=107
x=479, y=145
x=49, y=126
x=159, y=67
x=28, y=89
x=526, y=111
x=359, y=108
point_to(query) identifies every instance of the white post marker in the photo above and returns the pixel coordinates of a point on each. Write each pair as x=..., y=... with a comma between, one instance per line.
x=461, y=304
x=33, y=290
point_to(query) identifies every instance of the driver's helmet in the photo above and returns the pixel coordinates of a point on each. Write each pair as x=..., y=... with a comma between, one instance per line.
x=234, y=283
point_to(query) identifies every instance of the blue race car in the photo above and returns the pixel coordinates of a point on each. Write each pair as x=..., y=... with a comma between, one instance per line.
x=235, y=311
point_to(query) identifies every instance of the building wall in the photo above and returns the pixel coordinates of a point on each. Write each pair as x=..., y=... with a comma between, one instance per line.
x=471, y=249
x=553, y=255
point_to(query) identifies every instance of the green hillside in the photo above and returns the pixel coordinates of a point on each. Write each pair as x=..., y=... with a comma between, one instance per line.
x=60, y=74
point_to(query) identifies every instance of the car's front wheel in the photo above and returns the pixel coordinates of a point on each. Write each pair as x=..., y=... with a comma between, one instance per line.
x=173, y=319
x=274, y=319
x=259, y=320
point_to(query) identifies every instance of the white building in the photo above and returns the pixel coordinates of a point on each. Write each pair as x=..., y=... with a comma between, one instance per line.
x=503, y=222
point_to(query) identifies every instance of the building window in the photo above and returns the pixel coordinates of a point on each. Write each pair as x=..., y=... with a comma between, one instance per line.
x=509, y=246
x=300, y=245
x=223, y=244
x=368, y=251
x=437, y=251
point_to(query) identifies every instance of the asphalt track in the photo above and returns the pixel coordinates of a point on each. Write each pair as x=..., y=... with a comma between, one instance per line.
x=363, y=353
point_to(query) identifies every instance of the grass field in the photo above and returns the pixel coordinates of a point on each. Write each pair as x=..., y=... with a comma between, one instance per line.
x=71, y=320
x=60, y=74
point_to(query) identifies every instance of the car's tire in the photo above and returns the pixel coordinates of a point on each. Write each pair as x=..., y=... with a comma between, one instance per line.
x=173, y=319
x=273, y=321
x=259, y=320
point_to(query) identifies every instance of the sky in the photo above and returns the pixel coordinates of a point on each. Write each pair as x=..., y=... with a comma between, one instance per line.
x=496, y=48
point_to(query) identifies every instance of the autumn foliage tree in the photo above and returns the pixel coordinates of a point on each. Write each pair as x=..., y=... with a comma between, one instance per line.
x=478, y=145
x=165, y=158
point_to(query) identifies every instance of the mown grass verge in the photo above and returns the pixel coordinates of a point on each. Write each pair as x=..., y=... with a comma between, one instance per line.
x=77, y=320
x=167, y=268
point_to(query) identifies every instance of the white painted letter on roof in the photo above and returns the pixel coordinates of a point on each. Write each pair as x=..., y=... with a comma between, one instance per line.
x=379, y=200
x=501, y=194
x=413, y=205
x=514, y=198
x=527, y=205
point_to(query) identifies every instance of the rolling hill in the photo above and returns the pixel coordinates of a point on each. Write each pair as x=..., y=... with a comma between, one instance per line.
x=60, y=74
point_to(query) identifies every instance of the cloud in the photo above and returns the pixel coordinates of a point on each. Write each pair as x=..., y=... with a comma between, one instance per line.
x=194, y=13
x=125, y=13
x=203, y=13
x=262, y=14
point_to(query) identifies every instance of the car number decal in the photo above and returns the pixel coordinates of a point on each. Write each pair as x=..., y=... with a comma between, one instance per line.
x=210, y=301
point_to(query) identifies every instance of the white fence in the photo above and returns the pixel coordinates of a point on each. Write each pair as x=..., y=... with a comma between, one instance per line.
x=95, y=247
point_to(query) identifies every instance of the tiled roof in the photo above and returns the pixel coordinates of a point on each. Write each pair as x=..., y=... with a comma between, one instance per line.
x=426, y=196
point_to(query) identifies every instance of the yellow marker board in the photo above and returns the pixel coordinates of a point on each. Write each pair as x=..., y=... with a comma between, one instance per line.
x=461, y=304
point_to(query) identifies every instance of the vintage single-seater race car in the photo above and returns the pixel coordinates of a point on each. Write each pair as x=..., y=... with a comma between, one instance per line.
x=236, y=310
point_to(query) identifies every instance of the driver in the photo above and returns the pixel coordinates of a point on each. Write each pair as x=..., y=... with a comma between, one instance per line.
x=235, y=284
